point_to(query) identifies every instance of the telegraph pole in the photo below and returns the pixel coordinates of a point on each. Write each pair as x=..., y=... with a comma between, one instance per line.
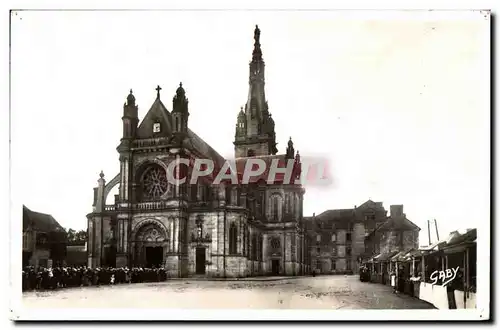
x=429, y=230
x=437, y=232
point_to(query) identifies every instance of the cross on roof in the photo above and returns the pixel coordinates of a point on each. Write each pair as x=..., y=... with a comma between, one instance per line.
x=158, y=89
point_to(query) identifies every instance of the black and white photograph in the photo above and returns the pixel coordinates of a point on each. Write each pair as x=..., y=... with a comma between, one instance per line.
x=250, y=164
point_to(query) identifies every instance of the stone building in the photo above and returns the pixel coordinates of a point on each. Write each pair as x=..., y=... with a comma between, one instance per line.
x=396, y=234
x=341, y=239
x=225, y=230
x=44, y=240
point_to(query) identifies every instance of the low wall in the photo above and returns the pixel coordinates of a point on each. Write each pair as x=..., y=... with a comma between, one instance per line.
x=470, y=303
x=434, y=294
x=438, y=296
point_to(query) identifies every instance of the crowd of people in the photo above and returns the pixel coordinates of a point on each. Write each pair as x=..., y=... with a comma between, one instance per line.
x=65, y=277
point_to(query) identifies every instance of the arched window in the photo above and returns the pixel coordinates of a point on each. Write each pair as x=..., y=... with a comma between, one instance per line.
x=275, y=208
x=261, y=248
x=297, y=205
x=254, y=247
x=234, y=196
x=229, y=197
x=244, y=240
x=263, y=204
x=233, y=238
x=203, y=192
x=194, y=192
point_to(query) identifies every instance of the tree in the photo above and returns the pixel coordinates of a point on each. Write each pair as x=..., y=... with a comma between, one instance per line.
x=76, y=236
x=81, y=236
x=71, y=234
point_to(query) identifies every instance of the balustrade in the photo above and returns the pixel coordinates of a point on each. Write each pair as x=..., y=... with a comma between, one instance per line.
x=152, y=142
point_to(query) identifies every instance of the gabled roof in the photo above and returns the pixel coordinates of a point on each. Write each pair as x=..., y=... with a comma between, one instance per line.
x=40, y=221
x=399, y=223
x=158, y=111
x=371, y=204
x=338, y=214
x=193, y=141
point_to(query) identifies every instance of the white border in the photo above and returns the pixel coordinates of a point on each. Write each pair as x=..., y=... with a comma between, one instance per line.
x=18, y=313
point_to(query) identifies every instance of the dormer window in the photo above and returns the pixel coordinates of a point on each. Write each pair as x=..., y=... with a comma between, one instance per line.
x=156, y=128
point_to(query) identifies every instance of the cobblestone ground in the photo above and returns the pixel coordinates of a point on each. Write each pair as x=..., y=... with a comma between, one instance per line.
x=328, y=292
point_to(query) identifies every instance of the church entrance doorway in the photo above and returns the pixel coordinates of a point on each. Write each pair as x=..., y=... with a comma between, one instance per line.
x=150, y=244
x=275, y=267
x=154, y=256
x=200, y=260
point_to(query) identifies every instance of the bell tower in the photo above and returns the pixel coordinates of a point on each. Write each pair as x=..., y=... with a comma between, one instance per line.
x=255, y=135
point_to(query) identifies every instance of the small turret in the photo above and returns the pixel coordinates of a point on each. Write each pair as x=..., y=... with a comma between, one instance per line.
x=130, y=118
x=180, y=112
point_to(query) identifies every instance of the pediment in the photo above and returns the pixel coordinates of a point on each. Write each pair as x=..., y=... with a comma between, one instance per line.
x=158, y=117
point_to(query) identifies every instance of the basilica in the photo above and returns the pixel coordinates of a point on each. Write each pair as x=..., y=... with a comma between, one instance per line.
x=224, y=230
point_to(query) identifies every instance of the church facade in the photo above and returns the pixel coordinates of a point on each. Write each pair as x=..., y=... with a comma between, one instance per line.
x=232, y=229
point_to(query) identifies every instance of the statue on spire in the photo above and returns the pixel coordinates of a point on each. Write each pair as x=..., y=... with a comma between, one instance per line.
x=290, y=152
x=256, y=35
x=257, y=52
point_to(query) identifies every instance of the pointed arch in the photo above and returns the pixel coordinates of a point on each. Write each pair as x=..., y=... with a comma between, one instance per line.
x=276, y=207
x=233, y=238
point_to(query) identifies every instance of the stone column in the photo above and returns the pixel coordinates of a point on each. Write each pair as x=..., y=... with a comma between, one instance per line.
x=90, y=244
x=125, y=236
x=265, y=258
x=175, y=240
x=99, y=206
x=120, y=235
x=283, y=251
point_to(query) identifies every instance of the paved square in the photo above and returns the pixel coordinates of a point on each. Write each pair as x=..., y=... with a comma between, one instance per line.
x=323, y=292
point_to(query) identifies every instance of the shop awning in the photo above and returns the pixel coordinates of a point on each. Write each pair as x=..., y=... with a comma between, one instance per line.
x=385, y=256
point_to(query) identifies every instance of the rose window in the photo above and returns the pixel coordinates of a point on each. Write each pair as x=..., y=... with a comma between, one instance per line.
x=155, y=182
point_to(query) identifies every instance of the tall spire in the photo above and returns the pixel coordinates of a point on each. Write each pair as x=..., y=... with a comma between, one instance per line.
x=255, y=127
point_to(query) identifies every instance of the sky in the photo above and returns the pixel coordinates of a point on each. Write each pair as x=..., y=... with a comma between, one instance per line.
x=397, y=102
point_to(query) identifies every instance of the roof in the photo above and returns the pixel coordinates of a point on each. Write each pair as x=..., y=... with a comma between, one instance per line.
x=398, y=223
x=469, y=236
x=402, y=255
x=193, y=141
x=158, y=111
x=393, y=223
x=40, y=221
x=339, y=214
x=371, y=204
x=384, y=256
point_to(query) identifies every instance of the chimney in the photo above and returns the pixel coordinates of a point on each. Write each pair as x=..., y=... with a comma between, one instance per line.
x=314, y=214
x=396, y=211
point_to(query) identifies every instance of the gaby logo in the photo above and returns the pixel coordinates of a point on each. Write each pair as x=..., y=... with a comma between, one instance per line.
x=446, y=276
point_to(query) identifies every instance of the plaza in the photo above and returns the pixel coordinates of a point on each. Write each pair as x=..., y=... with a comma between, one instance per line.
x=322, y=292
